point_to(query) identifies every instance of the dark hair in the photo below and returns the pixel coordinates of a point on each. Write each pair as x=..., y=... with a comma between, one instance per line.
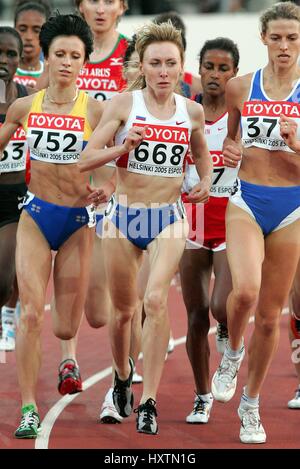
x=176, y=21
x=66, y=25
x=43, y=7
x=221, y=43
x=15, y=34
x=130, y=49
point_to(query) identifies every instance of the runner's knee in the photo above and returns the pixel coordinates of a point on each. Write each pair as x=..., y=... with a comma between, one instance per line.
x=245, y=296
x=65, y=332
x=155, y=303
x=97, y=316
x=31, y=318
x=122, y=316
x=267, y=325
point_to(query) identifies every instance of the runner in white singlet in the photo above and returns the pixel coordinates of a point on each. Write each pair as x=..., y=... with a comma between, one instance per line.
x=153, y=128
x=206, y=246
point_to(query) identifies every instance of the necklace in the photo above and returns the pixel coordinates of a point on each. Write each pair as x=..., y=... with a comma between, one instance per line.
x=51, y=100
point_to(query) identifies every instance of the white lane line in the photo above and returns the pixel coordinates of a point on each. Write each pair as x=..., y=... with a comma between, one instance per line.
x=48, y=422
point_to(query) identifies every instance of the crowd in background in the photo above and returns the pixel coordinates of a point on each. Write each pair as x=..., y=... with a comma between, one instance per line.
x=146, y=7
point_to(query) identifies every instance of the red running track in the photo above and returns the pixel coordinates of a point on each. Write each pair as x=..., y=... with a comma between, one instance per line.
x=77, y=427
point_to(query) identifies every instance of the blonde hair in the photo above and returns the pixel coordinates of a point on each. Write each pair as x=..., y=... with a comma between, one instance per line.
x=125, y=3
x=149, y=34
x=281, y=10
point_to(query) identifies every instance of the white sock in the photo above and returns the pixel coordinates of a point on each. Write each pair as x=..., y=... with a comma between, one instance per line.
x=234, y=354
x=206, y=397
x=245, y=399
x=8, y=322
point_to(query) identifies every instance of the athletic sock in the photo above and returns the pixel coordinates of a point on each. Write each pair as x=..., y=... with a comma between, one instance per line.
x=245, y=399
x=206, y=397
x=234, y=354
x=8, y=322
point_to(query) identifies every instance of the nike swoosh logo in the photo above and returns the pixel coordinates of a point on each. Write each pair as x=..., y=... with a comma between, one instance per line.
x=220, y=128
x=179, y=123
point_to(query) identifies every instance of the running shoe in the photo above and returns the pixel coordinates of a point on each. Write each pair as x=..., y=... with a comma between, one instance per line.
x=69, y=379
x=122, y=393
x=30, y=423
x=8, y=343
x=251, y=430
x=221, y=337
x=171, y=345
x=201, y=411
x=136, y=378
x=224, y=380
x=146, y=418
x=295, y=402
x=108, y=412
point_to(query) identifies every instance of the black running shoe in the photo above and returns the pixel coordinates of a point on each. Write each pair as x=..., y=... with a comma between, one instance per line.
x=146, y=418
x=221, y=337
x=122, y=393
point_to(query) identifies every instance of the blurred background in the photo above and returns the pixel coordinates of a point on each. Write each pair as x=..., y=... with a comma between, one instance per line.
x=152, y=7
x=204, y=19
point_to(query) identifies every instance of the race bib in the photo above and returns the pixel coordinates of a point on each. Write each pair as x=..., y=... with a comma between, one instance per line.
x=260, y=123
x=161, y=153
x=55, y=138
x=223, y=177
x=14, y=155
x=99, y=83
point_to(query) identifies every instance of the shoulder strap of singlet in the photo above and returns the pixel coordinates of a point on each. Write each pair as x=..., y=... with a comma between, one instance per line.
x=255, y=91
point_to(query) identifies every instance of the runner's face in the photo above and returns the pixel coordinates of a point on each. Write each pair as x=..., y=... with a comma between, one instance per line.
x=162, y=66
x=9, y=57
x=132, y=69
x=29, y=25
x=216, y=69
x=66, y=57
x=282, y=38
x=101, y=15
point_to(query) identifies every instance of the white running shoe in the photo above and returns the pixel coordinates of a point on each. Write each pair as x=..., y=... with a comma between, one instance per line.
x=7, y=344
x=171, y=345
x=223, y=384
x=136, y=378
x=201, y=411
x=108, y=412
x=295, y=402
x=251, y=430
x=221, y=337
